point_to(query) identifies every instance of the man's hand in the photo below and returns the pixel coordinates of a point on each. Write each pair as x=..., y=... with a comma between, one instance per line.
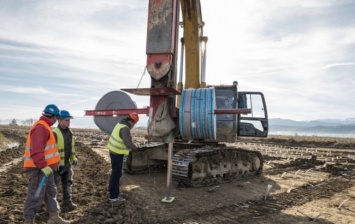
x=75, y=162
x=47, y=170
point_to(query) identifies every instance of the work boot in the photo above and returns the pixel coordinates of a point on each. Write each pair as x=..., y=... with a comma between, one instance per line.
x=54, y=218
x=118, y=199
x=29, y=221
x=68, y=205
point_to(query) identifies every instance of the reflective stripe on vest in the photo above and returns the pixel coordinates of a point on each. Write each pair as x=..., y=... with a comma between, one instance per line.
x=50, y=150
x=115, y=143
x=60, y=145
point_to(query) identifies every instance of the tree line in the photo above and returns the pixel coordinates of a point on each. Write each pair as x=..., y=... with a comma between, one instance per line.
x=27, y=122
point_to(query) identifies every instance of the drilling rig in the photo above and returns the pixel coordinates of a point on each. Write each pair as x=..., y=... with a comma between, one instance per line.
x=199, y=119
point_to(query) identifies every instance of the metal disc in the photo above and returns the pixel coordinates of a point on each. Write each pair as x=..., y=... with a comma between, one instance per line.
x=112, y=100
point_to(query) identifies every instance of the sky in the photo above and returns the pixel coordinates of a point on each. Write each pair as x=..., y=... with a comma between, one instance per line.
x=299, y=53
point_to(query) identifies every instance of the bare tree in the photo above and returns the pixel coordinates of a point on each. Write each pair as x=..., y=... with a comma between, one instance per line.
x=13, y=122
x=28, y=122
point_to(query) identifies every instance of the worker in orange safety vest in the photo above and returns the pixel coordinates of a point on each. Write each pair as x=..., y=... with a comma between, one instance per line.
x=40, y=161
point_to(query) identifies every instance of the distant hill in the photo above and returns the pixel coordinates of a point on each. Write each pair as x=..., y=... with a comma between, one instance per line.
x=322, y=122
x=322, y=127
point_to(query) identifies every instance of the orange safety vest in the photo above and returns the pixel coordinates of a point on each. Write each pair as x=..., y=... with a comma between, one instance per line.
x=50, y=151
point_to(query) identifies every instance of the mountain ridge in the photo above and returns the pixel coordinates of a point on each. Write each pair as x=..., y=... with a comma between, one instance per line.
x=326, y=127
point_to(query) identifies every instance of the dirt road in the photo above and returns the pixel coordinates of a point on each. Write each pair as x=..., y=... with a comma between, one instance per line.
x=302, y=190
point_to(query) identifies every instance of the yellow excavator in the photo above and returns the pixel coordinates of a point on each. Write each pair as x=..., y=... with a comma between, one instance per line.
x=198, y=119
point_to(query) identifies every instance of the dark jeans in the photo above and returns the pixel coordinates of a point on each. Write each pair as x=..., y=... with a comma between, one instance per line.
x=116, y=173
x=66, y=182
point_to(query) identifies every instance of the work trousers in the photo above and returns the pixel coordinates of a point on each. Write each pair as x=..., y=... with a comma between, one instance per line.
x=48, y=194
x=116, y=173
x=66, y=181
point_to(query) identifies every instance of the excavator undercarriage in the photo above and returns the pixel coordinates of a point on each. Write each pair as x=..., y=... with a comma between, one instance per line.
x=197, y=164
x=214, y=165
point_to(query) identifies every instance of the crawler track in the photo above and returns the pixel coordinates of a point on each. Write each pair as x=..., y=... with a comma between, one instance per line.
x=210, y=165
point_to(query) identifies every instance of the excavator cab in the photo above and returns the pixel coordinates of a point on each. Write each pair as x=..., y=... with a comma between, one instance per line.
x=230, y=126
x=226, y=123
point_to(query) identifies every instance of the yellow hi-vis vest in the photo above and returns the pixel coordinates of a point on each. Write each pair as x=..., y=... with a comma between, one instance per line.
x=115, y=143
x=60, y=144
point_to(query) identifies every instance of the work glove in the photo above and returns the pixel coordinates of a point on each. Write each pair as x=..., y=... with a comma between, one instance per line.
x=75, y=162
x=47, y=170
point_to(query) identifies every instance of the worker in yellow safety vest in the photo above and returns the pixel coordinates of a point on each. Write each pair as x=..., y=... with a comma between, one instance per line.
x=66, y=147
x=119, y=145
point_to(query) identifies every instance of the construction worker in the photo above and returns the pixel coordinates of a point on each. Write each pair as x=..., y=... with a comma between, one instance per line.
x=66, y=147
x=119, y=145
x=41, y=159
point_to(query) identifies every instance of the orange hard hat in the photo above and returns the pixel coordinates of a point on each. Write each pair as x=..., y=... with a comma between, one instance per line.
x=134, y=117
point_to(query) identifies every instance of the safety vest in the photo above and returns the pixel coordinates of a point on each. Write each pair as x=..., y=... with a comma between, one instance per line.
x=50, y=151
x=60, y=145
x=115, y=143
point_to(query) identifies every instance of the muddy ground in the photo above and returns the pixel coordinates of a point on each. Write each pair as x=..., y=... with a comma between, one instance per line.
x=303, y=189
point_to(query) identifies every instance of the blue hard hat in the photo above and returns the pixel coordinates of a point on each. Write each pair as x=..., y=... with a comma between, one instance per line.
x=51, y=109
x=64, y=114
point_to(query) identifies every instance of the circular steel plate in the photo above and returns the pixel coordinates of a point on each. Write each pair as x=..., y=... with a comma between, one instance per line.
x=112, y=100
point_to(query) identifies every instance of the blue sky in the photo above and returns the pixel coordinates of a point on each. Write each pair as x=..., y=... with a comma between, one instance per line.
x=299, y=53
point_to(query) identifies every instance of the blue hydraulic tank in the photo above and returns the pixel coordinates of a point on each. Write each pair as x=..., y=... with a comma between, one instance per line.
x=196, y=117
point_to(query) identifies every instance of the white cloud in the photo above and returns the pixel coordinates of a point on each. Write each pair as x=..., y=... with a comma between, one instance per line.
x=337, y=64
x=25, y=90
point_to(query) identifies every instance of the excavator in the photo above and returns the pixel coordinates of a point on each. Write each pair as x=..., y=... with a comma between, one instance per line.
x=199, y=120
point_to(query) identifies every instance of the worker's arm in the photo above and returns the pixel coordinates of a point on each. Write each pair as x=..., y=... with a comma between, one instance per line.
x=39, y=137
x=127, y=138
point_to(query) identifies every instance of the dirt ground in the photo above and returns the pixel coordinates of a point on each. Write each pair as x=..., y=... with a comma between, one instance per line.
x=302, y=189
